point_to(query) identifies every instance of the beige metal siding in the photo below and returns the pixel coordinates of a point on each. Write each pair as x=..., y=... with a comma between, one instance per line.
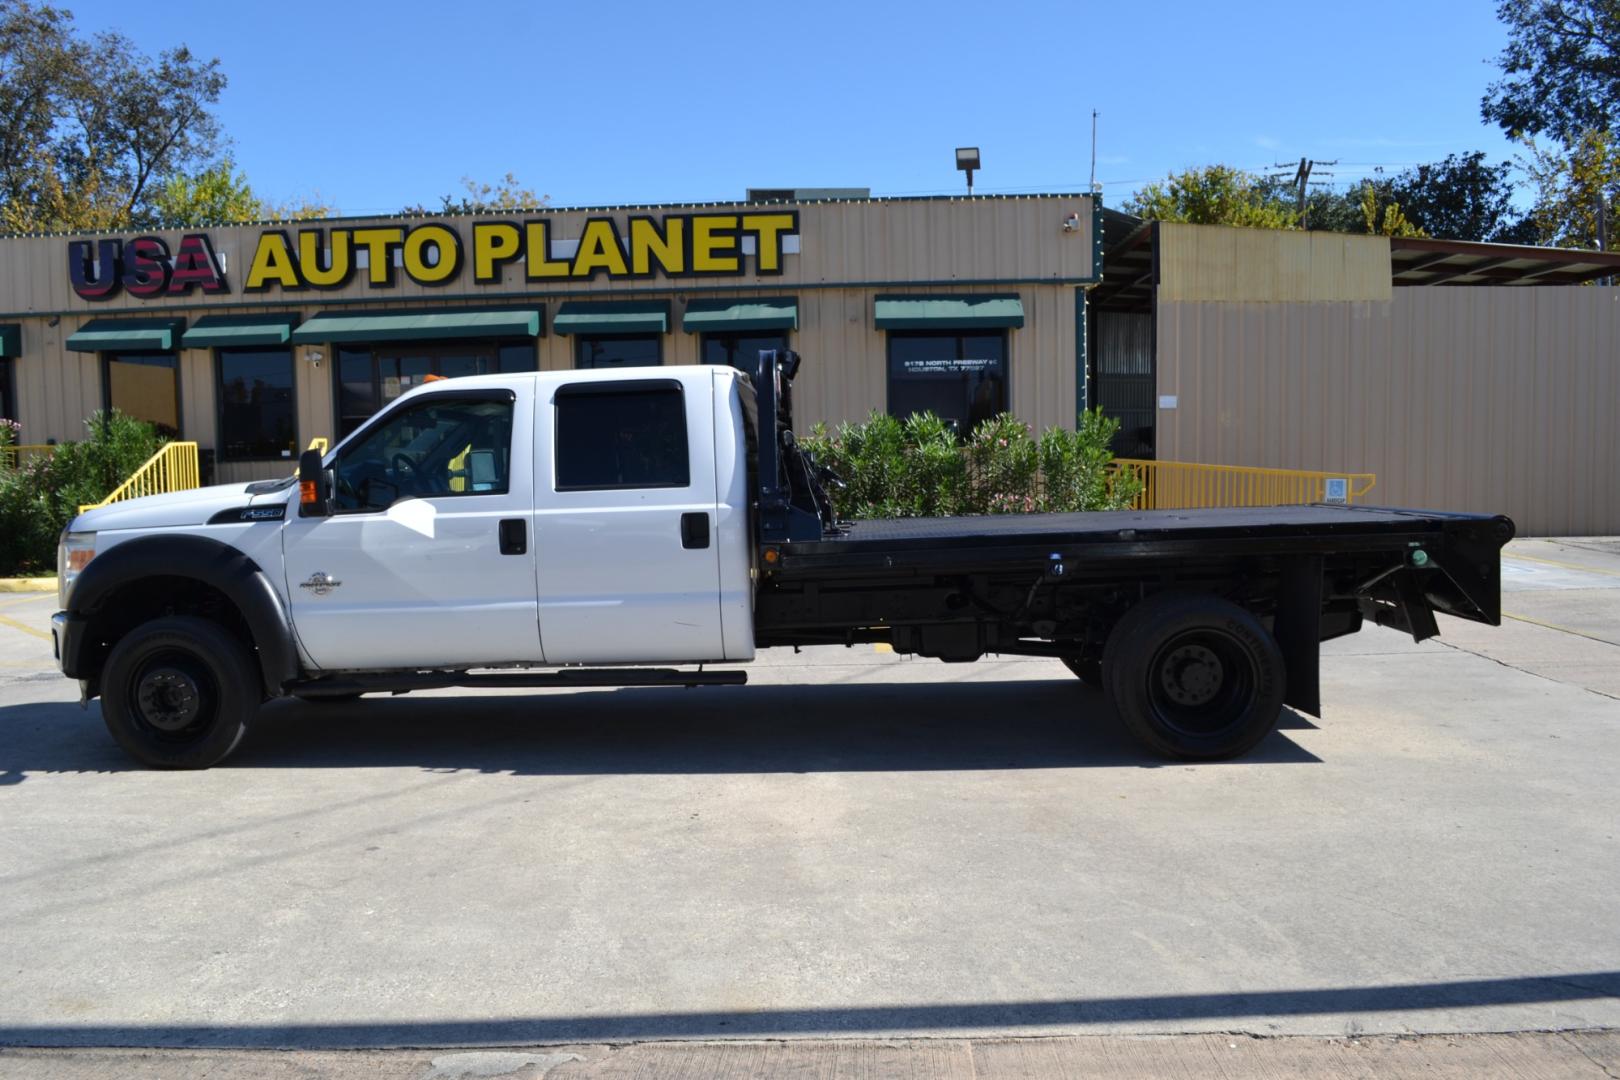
x=1500, y=400
x=1218, y=263
x=853, y=242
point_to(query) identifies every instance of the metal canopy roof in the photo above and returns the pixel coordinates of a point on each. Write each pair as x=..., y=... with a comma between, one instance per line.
x=1427, y=261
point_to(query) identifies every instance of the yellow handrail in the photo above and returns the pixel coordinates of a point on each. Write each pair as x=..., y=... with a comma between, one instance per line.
x=318, y=443
x=13, y=456
x=172, y=468
x=1185, y=485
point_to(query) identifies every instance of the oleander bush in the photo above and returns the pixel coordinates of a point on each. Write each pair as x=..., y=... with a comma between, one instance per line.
x=917, y=467
x=41, y=494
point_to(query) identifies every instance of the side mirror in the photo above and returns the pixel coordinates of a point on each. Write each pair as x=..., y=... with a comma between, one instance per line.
x=314, y=486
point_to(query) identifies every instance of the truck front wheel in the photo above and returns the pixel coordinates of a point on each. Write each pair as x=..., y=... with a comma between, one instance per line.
x=1194, y=676
x=179, y=692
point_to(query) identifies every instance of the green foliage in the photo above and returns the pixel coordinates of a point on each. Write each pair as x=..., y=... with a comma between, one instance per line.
x=42, y=494
x=219, y=195
x=917, y=468
x=506, y=194
x=1561, y=69
x=1215, y=195
x=1570, y=182
x=91, y=127
x=1384, y=218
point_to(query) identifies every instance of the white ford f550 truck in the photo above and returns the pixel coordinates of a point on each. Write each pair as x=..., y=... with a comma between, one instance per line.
x=626, y=527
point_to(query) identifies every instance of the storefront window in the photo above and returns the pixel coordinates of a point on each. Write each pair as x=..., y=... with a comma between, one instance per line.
x=8, y=391
x=960, y=377
x=369, y=377
x=145, y=386
x=745, y=346
x=618, y=350
x=256, y=417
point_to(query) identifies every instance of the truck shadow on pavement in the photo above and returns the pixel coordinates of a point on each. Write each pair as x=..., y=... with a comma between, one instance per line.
x=1003, y=1018
x=863, y=727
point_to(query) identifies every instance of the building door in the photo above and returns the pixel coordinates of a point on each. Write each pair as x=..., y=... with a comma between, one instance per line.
x=145, y=386
x=628, y=555
x=1125, y=379
x=428, y=557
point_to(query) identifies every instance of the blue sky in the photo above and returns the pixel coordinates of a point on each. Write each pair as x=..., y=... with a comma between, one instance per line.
x=374, y=106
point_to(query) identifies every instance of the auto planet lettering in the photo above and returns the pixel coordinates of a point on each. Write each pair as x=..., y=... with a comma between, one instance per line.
x=432, y=253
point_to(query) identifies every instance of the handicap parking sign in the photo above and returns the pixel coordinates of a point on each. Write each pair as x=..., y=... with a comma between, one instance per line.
x=1337, y=490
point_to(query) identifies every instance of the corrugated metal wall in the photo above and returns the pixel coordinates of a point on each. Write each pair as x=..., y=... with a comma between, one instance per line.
x=1207, y=262
x=1502, y=400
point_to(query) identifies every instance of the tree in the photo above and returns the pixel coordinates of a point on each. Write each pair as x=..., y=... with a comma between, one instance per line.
x=1383, y=217
x=1461, y=198
x=1215, y=195
x=1570, y=182
x=1561, y=69
x=219, y=195
x=506, y=194
x=89, y=129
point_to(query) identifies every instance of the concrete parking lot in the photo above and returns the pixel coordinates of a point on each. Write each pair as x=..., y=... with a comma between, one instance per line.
x=855, y=844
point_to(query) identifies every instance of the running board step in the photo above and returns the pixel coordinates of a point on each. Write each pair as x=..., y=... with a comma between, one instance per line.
x=343, y=686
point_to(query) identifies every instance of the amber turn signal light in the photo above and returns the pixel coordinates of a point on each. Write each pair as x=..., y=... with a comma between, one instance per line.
x=306, y=492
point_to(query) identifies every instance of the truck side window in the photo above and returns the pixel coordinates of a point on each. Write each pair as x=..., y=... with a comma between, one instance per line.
x=437, y=447
x=621, y=435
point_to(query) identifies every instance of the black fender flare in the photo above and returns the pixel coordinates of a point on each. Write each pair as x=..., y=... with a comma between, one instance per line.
x=213, y=563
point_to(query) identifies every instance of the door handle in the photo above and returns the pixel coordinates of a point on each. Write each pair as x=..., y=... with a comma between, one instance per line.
x=514, y=536
x=695, y=530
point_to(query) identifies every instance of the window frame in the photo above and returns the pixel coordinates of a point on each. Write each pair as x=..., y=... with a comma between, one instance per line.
x=107, y=356
x=219, y=401
x=441, y=397
x=374, y=349
x=706, y=336
x=581, y=341
x=959, y=333
x=606, y=389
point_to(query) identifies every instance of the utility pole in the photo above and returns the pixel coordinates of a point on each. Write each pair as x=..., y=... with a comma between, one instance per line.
x=1302, y=180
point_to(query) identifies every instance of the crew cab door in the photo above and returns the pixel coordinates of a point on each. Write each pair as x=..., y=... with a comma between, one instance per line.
x=427, y=559
x=627, y=551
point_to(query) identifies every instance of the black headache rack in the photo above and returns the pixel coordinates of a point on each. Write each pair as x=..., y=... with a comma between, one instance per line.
x=791, y=500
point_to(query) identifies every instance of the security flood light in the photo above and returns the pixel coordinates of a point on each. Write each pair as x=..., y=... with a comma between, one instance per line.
x=967, y=159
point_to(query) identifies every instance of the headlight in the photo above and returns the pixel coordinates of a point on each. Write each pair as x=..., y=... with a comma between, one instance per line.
x=73, y=554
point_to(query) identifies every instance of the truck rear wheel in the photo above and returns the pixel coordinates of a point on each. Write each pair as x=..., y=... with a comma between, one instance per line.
x=179, y=693
x=1194, y=676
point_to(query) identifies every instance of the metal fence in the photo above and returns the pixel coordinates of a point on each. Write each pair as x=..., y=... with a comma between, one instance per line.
x=1182, y=485
x=172, y=468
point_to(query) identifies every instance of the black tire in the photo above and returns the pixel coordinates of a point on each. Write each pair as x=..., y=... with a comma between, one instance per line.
x=179, y=693
x=1088, y=669
x=1194, y=676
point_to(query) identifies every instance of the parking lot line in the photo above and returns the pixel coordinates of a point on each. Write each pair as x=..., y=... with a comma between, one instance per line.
x=1560, y=629
x=24, y=627
x=1511, y=556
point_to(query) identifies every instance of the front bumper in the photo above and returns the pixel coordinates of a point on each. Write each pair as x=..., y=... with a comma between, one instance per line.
x=68, y=637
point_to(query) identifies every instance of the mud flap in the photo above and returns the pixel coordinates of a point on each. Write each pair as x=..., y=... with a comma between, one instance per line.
x=1297, y=629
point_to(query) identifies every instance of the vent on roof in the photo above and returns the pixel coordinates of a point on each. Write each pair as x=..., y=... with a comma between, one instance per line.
x=771, y=194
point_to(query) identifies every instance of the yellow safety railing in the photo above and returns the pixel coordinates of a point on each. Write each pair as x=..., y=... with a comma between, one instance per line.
x=318, y=443
x=1183, y=485
x=13, y=456
x=173, y=468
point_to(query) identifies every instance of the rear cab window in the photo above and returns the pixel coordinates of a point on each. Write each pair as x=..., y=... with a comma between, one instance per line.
x=618, y=435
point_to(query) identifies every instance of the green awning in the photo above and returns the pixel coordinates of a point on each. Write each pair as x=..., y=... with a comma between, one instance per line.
x=10, y=340
x=421, y=325
x=612, y=317
x=754, y=313
x=224, y=331
x=109, y=335
x=949, y=312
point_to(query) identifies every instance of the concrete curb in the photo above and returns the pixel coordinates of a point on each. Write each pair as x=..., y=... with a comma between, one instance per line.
x=27, y=584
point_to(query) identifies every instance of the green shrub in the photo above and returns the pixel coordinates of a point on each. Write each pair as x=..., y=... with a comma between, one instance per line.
x=917, y=467
x=42, y=494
